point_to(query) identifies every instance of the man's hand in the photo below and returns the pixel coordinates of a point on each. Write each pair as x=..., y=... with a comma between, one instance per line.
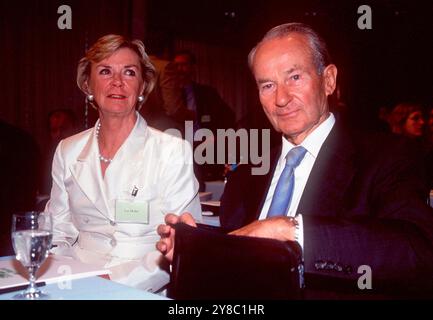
x=279, y=228
x=166, y=244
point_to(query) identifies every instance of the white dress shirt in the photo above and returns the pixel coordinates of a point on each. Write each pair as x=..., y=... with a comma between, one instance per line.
x=312, y=143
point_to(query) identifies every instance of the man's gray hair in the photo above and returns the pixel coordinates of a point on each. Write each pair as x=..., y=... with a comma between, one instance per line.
x=319, y=50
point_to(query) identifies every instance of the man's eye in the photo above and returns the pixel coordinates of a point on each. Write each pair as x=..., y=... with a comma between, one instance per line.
x=130, y=72
x=267, y=86
x=296, y=77
x=104, y=71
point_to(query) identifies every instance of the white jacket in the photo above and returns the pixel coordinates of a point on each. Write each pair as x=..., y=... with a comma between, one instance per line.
x=82, y=202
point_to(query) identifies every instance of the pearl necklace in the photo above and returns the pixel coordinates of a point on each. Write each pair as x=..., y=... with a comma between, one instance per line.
x=101, y=157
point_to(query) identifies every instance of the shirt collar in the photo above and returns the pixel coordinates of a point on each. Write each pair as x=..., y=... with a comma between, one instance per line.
x=313, y=142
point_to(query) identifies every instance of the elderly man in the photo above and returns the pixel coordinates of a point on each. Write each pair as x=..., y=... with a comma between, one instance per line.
x=349, y=200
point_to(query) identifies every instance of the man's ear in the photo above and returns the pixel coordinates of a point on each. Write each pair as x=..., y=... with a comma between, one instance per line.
x=330, y=79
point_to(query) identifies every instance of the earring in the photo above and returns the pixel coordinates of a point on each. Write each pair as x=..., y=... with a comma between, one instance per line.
x=90, y=99
x=86, y=113
x=140, y=98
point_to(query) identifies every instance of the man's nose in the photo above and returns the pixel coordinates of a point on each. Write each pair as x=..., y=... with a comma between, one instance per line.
x=282, y=96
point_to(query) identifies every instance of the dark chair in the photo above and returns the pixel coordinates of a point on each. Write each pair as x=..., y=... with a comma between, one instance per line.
x=209, y=264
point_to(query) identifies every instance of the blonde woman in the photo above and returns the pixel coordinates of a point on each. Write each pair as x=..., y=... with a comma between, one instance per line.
x=114, y=183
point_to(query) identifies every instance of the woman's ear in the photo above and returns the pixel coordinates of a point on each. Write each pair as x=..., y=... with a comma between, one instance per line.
x=86, y=88
x=330, y=79
x=143, y=86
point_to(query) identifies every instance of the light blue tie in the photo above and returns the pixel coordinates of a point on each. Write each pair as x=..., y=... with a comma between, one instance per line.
x=284, y=190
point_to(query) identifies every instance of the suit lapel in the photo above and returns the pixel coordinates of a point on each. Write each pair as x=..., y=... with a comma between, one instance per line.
x=330, y=176
x=259, y=186
x=87, y=174
x=122, y=179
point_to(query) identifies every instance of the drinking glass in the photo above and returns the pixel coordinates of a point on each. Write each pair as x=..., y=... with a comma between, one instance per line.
x=32, y=234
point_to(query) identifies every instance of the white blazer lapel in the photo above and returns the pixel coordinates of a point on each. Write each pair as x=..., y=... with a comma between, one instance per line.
x=131, y=153
x=87, y=174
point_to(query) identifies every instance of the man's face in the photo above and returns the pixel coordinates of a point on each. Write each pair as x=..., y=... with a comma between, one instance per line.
x=184, y=67
x=293, y=95
x=61, y=126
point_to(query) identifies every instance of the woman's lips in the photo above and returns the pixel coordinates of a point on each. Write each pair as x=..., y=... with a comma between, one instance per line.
x=116, y=96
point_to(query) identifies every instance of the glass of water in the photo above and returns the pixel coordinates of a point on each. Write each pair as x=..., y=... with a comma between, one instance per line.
x=32, y=234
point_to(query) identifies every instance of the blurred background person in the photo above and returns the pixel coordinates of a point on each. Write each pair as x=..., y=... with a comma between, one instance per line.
x=113, y=183
x=19, y=162
x=152, y=109
x=430, y=127
x=61, y=123
x=200, y=103
x=407, y=119
x=186, y=100
x=382, y=123
x=429, y=141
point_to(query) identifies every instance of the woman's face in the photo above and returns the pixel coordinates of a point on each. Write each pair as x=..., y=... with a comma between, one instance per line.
x=414, y=124
x=116, y=82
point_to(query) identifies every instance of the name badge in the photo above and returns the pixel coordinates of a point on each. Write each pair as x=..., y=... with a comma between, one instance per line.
x=132, y=211
x=205, y=118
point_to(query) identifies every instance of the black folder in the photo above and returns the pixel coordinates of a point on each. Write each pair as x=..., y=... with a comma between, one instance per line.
x=209, y=264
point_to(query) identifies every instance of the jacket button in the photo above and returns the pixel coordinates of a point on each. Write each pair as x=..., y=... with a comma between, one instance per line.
x=338, y=267
x=113, y=242
x=112, y=223
x=329, y=265
x=320, y=265
x=86, y=220
x=347, y=269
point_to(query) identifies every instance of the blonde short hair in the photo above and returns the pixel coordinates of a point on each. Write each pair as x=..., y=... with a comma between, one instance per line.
x=105, y=47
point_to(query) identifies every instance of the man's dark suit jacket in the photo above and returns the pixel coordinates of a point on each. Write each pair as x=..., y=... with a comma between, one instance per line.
x=363, y=204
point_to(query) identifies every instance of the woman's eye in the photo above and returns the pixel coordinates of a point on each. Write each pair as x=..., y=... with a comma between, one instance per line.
x=130, y=72
x=104, y=71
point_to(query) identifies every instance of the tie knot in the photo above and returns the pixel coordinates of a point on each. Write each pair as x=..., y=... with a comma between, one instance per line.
x=295, y=156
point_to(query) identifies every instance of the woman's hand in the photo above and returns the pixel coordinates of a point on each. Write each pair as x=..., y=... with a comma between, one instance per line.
x=166, y=231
